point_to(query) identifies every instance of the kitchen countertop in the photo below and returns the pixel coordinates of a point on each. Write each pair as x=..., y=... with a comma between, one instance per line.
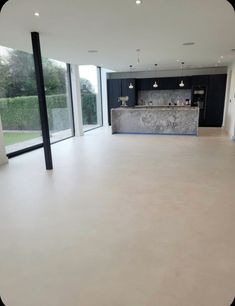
x=160, y=106
x=173, y=120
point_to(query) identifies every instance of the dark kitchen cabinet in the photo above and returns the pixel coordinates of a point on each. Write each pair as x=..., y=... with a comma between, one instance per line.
x=144, y=84
x=163, y=83
x=211, y=105
x=212, y=110
x=215, y=100
x=126, y=91
x=199, y=98
x=114, y=91
x=200, y=80
x=118, y=88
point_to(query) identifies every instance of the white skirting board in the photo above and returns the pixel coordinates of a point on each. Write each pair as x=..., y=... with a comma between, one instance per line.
x=3, y=157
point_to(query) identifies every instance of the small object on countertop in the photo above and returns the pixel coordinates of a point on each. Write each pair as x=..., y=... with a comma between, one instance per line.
x=123, y=101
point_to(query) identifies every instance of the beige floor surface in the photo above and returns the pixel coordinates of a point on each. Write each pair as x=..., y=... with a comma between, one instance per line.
x=123, y=220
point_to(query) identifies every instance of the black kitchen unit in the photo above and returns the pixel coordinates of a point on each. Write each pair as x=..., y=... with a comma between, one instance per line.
x=163, y=83
x=199, y=98
x=215, y=100
x=208, y=93
x=119, y=88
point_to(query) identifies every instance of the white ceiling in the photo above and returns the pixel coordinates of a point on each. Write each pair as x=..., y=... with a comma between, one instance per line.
x=69, y=28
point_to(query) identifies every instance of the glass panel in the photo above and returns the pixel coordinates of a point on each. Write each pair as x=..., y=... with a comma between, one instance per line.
x=18, y=100
x=91, y=98
x=58, y=99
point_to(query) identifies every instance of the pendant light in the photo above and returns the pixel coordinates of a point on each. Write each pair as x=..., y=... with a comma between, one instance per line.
x=131, y=85
x=155, y=85
x=182, y=82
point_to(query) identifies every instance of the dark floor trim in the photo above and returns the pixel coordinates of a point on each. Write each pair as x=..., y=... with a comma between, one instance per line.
x=30, y=149
x=98, y=127
x=23, y=151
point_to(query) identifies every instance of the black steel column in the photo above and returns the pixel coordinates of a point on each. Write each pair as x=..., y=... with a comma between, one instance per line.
x=70, y=92
x=42, y=99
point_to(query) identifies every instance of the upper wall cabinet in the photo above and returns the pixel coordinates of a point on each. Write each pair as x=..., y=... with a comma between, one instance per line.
x=163, y=83
x=200, y=80
x=145, y=84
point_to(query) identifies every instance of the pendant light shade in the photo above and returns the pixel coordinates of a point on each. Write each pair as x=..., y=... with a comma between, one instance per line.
x=181, y=84
x=155, y=85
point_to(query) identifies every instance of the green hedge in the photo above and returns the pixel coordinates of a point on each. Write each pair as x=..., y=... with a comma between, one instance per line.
x=22, y=113
x=89, y=111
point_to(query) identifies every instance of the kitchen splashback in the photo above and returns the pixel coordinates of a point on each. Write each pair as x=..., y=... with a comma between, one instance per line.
x=163, y=97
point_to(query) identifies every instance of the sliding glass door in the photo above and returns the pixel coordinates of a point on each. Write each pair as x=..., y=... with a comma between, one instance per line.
x=19, y=107
x=58, y=98
x=18, y=100
x=91, y=97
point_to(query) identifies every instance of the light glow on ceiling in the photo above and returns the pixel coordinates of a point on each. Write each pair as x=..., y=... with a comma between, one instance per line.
x=138, y=2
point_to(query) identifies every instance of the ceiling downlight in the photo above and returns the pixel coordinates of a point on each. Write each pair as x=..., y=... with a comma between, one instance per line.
x=93, y=51
x=190, y=43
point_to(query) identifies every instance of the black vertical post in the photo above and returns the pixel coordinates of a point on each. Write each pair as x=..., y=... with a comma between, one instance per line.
x=42, y=99
x=70, y=92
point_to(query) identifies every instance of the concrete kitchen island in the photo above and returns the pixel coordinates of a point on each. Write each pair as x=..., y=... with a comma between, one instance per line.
x=169, y=120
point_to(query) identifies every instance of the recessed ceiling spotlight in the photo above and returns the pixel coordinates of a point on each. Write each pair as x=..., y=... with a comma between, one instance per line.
x=36, y=14
x=177, y=61
x=219, y=62
x=92, y=51
x=222, y=57
x=138, y=2
x=190, y=43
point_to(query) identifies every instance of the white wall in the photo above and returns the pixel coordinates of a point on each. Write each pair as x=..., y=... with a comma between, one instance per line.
x=3, y=157
x=77, y=101
x=229, y=122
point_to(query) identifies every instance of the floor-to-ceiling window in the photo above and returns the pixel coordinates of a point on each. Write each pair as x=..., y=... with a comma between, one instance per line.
x=58, y=98
x=91, y=96
x=18, y=100
x=19, y=107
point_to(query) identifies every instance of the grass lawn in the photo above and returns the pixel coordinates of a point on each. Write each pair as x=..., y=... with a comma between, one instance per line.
x=15, y=137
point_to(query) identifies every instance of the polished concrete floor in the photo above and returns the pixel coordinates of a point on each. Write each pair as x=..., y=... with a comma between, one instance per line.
x=123, y=220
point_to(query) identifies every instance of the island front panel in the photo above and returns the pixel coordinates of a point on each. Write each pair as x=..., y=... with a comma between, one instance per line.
x=159, y=120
